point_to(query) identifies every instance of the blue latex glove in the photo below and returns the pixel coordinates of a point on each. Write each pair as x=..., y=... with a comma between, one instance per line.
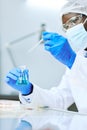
x=59, y=47
x=24, y=125
x=12, y=78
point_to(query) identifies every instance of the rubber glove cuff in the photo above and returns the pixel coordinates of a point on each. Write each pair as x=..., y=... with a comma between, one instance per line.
x=28, y=90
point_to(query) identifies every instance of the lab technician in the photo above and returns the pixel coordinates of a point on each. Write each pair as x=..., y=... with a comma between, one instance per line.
x=69, y=50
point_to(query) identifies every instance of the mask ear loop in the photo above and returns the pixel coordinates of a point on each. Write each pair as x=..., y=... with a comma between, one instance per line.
x=86, y=47
x=85, y=21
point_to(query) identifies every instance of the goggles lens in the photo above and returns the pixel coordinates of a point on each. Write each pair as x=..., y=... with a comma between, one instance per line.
x=72, y=22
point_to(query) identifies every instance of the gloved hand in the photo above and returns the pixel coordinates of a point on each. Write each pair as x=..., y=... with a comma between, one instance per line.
x=12, y=78
x=59, y=47
x=24, y=125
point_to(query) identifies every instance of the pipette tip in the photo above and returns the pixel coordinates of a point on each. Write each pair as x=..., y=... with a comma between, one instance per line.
x=34, y=47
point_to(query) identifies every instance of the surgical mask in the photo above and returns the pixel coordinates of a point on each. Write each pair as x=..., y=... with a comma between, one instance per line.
x=77, y=37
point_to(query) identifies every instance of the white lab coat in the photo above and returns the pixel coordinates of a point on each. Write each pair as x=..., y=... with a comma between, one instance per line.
x=72, y=88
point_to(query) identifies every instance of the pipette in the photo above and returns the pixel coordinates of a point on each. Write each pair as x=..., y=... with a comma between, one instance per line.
x=31, y=49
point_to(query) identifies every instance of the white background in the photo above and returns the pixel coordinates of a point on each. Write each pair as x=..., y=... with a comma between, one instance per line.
x=19, y=18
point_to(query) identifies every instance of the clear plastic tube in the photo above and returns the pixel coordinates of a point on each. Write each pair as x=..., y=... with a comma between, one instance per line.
x=34, y=47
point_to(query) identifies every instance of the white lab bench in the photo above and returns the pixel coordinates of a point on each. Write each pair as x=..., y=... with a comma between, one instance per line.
x=14, y=116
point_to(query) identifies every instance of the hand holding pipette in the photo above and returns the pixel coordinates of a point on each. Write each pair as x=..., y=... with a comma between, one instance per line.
x=60, y=48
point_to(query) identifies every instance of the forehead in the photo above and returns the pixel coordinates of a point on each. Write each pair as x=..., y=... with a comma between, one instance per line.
x=67, y=16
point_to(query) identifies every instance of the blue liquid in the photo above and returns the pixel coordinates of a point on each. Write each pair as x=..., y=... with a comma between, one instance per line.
x=23, y=78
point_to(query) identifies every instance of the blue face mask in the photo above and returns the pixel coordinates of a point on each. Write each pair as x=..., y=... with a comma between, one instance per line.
x=77, y=37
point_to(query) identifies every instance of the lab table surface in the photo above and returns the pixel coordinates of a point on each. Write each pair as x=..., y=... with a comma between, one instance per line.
x=15, y=116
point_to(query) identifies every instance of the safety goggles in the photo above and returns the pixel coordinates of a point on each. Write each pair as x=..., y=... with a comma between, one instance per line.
x=72, y=22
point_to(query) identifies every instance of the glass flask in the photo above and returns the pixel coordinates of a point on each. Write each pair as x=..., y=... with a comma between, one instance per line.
x=23, y=78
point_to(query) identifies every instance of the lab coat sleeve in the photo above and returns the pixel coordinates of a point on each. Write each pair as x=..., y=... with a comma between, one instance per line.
x=58, y=97
x=78, y=79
